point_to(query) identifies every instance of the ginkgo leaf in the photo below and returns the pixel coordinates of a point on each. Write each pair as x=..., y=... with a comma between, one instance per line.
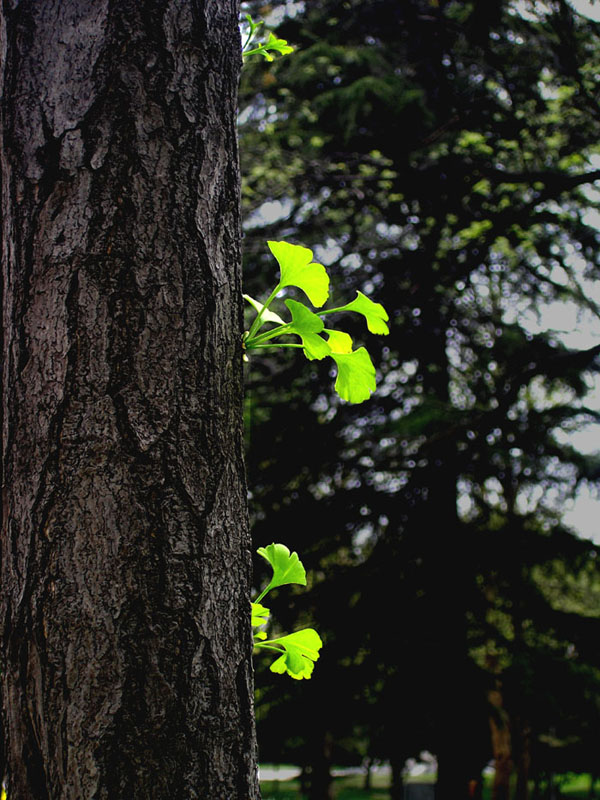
x=338, y=341
x=374, y=313
x=273, y=43
x=267, y=316
x=260, y=615
x=298, y=269
x=356, y=375
x=287, y=567
x=301, y=651
x=279, y=45
x=307, y=326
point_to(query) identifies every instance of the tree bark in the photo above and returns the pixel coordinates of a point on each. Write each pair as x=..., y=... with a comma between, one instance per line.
x=125, y=548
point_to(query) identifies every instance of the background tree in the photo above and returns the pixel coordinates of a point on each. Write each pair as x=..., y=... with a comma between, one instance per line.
x=438, y=155
x=125, y=554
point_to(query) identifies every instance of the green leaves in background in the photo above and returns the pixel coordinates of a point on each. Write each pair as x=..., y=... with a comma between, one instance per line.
x=298, y=651
x=356, y=373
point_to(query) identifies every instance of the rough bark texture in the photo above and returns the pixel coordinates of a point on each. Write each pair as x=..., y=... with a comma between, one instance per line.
x=125, y=549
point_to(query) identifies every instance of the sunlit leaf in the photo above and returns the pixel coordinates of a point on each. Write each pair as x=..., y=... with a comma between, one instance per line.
x=374, y=313
x=279, y=45
x=287, y=567
x=338, y=341
x=356, y=375
x=307, y=326
x=267, y=315
x=301, y=651
x=298, y=269
x=260, y=615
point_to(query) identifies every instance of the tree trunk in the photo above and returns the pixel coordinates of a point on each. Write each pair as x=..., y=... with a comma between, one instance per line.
x=320, y=774
x=397, y=764
x=367, y=767
x=522, y=735
x=501, y=745
x=125, y=549
x=451, y=694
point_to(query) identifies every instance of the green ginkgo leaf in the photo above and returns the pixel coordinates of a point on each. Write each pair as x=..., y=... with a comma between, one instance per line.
x=287, y=567
x=298, y=269
x=266, y=315
x=273, y=43
x=374, y=313
x=301, y=650
x=338, y=341
x=260, y=615
x=307, y=326
x=356, y=375
x=279, y=45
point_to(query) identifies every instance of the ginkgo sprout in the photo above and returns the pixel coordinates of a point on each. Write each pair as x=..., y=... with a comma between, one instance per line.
x=298, y=651
x=355, y=371
x=266, y=49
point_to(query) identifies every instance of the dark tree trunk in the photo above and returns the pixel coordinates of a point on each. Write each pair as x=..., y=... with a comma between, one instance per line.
x=367, y=766
x=397, y=783
x=501, y=744
x=320, y=775
x=125, y=549
x=447, y=588
x=522, y=735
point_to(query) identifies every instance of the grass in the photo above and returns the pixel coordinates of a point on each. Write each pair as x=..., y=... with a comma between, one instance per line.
x=347, y=788
x=574, y=787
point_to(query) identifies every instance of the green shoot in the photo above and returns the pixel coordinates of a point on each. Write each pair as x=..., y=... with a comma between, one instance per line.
x=299, y=650
x=355, y=371
x=272, y=45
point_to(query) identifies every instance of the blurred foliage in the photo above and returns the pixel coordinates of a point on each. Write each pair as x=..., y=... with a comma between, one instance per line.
x=440, y=158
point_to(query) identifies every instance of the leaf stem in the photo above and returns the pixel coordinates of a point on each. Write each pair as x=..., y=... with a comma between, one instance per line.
x=269, y=647
x=332, y=310
x=255, y=341
x=256, y=51
x=262, y=594
x=273, y=346
x=253, y=27
x=257, y=322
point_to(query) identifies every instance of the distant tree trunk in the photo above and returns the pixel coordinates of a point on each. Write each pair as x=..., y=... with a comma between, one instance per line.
x=367, y=766
x=522, y=734
x=501, y=746
x=125, y=549
x=447, y=588
x=397, y=788
x=320, y=773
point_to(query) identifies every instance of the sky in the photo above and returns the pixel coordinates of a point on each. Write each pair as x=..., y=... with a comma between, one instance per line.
x=587, y=8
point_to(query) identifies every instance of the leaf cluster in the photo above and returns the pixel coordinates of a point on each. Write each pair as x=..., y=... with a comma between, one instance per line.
x=298, y=651
x=272, y=45
x=355, y=371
